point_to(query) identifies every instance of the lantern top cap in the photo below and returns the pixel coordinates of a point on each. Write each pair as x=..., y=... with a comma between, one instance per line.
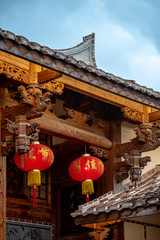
x=35, y=142
x=86, y=155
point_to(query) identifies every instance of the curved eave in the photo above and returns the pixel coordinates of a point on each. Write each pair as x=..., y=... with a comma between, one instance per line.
x=85, y=51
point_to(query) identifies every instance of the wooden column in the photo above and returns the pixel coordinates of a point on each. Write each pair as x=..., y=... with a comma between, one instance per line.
x=2, y=192
x=33, y=72
x=108, y=178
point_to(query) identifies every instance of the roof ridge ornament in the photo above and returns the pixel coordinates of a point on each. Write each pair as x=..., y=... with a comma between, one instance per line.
x=84, y=51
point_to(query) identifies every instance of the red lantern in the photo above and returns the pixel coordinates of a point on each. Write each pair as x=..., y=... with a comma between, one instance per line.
x=86, y=169
x=40, y=157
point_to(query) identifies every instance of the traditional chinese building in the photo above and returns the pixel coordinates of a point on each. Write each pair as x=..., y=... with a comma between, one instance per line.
x=61, y=98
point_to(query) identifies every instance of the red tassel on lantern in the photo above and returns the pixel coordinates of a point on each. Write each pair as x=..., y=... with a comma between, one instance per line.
x=39, y=158
x=86, y=169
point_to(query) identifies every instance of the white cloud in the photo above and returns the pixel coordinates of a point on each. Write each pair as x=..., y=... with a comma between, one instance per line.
x=121, y=49
x=145, y=66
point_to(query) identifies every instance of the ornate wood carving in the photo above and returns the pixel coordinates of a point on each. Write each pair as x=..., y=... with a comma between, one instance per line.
x=32, y=102
x=144, y=132
x=100, y=234
x=143, y=161
x=121, y=173
x=156, y=124
x=53, y=86
x=132, y=114
x=33, y=131
x=132, y=166
x=131, y=151
x=24, y=131
x=99, y=152
x=105, y=230
x=12, y=127
x=14, y=72
x=76, y=116
x=153, y=141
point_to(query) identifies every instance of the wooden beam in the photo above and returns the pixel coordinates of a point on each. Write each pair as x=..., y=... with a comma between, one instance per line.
x=47, y=75
x=99, y=94
x=50, y=124
x=154, y=116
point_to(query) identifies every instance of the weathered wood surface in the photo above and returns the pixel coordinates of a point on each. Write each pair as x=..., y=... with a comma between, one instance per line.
x=20, y=209
x=49, y=123
x=2, y=193
x=108, y=178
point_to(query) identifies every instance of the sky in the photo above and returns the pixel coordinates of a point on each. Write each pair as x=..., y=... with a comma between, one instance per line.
x=127, y=32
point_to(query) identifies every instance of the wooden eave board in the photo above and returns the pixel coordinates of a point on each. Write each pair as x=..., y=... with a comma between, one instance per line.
x=13, y=60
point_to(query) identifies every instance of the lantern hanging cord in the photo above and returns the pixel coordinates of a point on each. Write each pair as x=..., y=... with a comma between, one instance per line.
x=87, y=198
x=85, y=149
x=34, y=193
x=22, y=160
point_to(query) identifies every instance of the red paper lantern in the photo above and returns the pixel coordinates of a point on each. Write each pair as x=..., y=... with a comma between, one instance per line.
x=39, y=158
x=86, y=169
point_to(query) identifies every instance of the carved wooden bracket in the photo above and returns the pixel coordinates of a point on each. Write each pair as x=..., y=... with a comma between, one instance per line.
x=121, y=173
x=132, y=166
x=24, y=132
x=99, y=152
x=142, y=143
x=131, y=152
x=101, y=234
x=32, y=102
x=132, y=115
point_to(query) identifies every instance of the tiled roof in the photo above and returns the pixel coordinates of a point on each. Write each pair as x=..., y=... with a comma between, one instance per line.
x=31, y=51
x=134, y=200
